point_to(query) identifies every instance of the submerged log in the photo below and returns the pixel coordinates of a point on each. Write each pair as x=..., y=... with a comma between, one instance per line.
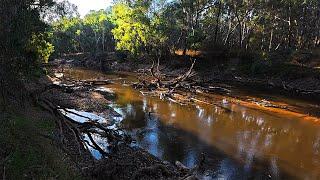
x=96, y=82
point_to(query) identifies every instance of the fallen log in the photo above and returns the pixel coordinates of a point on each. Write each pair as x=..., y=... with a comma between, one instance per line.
x=96, y=82
x=213, y=104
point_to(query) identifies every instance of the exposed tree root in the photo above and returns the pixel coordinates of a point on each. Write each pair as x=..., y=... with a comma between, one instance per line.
x=88, y=128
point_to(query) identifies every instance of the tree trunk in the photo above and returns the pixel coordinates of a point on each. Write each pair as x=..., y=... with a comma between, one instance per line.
x=103, y=40
x=240, y=27
x=229, y=30
x=271, y=39
x=185, y=41
x=97, y=41
x=289, y=27
x=217, y=23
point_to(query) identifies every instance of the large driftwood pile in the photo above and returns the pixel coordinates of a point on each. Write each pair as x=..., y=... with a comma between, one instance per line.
x=159, y=81
x=167, y=87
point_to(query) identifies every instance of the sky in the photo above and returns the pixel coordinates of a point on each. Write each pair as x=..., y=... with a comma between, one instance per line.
x=84, y=6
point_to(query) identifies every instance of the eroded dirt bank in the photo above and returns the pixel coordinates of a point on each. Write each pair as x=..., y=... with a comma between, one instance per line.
x=99, y=149
x=67, y=102
x=287, y=79
x=285, y=110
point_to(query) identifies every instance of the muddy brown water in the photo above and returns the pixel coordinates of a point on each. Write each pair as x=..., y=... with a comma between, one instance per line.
x=244, y=143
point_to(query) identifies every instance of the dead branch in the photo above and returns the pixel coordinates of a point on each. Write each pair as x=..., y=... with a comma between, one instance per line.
x=4, y=173
x=166, y=87
x=97, y=147
x=183, y=77
x=152, y=71
x=78, y=129
x=171, y=85
x=95, y=82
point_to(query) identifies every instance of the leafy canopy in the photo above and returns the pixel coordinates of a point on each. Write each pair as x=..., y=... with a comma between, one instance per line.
x=131, y=29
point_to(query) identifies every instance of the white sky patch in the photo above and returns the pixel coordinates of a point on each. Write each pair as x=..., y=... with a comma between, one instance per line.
x=84, y=6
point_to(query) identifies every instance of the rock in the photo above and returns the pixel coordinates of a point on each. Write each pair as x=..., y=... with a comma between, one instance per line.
x=59, y=75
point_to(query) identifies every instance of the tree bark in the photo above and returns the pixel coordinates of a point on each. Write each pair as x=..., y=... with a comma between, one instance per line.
x=217, y=23
x=239, y=25
x=103, y=40
x=271, y=39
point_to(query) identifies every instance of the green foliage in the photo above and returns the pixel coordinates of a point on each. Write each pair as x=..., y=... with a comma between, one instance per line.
x=89, y=34
x=40, y=46
x=100, y=28
x=96, y=20
x=158, y=32
x=131, y=30
x=143, y=27
x=66, y=35
x=139, y=27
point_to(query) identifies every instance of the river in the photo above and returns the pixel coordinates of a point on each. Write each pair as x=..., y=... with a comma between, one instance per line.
x=245, y=141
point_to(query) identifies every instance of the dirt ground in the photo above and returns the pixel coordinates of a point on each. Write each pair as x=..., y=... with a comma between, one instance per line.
x=123, y=161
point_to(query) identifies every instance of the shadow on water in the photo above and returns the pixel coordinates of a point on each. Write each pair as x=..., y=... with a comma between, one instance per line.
x=153, y=124
x=240, y=144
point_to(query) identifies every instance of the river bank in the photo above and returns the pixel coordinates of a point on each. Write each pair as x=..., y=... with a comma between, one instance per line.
x=279, y=77
x=251, y=118
x=302, y=85
x=56, y=108
x=83, y=102
x=162, y=128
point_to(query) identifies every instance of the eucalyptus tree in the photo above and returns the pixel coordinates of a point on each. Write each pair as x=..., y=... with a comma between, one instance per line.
x=67, y=35
x=140, y=26
x=99, y=23
x=132, y=30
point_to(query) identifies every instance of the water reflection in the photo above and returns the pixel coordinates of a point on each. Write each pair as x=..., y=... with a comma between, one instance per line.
x=251, y=137
x=240, y=143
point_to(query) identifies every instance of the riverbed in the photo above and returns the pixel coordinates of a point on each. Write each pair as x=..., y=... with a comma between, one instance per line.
x=238, y=137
